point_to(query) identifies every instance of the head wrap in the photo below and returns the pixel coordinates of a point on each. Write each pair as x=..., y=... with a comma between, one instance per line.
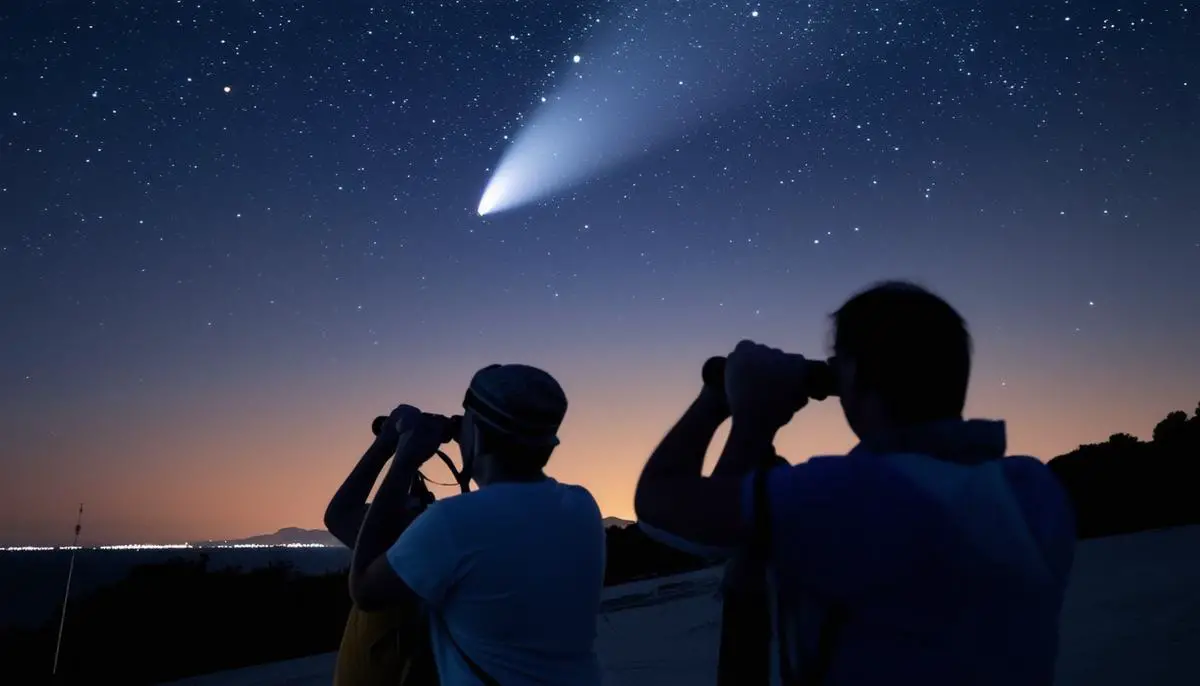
x=521, y=402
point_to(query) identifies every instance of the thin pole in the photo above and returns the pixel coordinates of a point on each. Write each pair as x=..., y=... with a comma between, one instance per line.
x=67, y=594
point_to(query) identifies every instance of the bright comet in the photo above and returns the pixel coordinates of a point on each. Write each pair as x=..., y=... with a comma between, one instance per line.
x=653, y=75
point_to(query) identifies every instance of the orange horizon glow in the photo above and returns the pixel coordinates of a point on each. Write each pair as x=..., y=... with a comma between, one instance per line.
x=244, y=464
x=216, y=271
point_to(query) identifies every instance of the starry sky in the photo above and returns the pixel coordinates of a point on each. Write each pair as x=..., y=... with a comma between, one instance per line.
x=231, y=233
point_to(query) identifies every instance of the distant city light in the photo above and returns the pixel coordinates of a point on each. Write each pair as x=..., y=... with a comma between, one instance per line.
x=164, y=546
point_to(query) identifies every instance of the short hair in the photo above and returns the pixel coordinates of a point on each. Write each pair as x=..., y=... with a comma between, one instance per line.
x=908, y=345
x=519, y=409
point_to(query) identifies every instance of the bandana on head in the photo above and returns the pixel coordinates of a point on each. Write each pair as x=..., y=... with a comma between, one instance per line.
x=519, y=401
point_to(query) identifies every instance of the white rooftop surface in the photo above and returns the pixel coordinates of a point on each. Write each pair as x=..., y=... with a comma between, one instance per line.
x=1132, y=616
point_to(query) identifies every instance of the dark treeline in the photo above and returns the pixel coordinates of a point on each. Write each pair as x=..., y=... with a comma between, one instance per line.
x=1125, y=485
x=172, y=620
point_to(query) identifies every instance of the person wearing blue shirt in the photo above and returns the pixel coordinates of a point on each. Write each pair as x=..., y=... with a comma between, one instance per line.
x=923, y=556
x=511, y=574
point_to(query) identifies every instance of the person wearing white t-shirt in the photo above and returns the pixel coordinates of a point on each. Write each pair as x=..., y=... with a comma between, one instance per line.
x=511, y=573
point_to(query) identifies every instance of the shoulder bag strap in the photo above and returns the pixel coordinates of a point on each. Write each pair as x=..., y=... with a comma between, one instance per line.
x=760, y=551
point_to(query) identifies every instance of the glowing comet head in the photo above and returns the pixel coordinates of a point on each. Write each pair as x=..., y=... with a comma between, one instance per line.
x=493, y=196
x=503, y=189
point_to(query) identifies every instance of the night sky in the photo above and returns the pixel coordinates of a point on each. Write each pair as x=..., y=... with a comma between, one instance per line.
x=231, y=233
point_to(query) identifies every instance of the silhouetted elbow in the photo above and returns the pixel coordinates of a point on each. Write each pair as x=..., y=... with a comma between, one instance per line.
x=344, y=525
x=335, y=525
x=644, y=501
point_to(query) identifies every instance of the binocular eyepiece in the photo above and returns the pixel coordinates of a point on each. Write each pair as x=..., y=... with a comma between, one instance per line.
x=453, y=428
x=819, y=380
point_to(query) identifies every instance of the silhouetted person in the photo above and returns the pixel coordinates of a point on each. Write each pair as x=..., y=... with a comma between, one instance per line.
x=388, y=647
x=924, y=556
x=511, y=574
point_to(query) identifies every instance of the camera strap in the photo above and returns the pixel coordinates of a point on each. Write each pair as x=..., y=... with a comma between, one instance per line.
x=760, y=556
x=814, y=670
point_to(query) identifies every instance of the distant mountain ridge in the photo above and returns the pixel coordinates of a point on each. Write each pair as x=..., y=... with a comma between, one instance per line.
x=292, y=535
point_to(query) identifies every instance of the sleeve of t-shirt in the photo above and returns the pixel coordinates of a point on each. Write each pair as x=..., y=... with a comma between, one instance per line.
x=425, y=556
x=834, y=527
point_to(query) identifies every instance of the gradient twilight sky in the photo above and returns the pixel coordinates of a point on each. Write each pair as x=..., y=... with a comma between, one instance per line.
x=231, y=233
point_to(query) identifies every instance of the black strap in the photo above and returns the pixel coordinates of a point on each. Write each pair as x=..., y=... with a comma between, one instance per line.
x=484, y=678
x=816, y=670
x=760, y=552
x=745, y=650
x=826, y=646
x=760, y=539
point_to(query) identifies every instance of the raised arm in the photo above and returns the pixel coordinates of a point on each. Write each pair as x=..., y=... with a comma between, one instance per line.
x=374, y=584
x=672, y=493
x=673, y=496
x=346, y=510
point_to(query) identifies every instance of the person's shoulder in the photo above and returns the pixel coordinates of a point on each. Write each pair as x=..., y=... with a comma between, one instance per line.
x=1029, y=473
x=548, y=493
x=573, y=491
x=840, y=467
x=577, y=498
x=1035, y=482
x=827, y=462
x=1048, y=510
x=448, y=508
x=469, y=505
x=1025, y=462
x=819, y=475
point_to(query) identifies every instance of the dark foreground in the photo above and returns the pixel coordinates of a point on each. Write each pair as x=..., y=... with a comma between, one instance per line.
x=195, y=615
x=1132, y=616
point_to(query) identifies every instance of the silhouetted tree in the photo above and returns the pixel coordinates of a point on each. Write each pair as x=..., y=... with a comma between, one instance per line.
x=1171, y=429
x=1126, y=485
x=1123, y=439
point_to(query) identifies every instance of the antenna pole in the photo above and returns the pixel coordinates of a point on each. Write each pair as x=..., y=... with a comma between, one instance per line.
x=67, y=594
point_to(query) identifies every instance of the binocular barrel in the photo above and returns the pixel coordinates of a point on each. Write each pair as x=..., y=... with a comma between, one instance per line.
x=819, y=380
x=452, y=428
x=713, y=373
x=377, y=424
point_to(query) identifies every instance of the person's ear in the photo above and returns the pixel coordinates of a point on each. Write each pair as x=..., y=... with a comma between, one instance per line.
x=471, y=452
x=845, y=371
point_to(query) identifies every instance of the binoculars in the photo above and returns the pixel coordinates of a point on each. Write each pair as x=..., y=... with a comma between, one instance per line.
x=819, y=380
x=452, y=429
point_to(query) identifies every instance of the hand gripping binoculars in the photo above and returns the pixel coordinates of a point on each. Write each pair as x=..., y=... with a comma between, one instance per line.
x=819, y=380
x=452, y=429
